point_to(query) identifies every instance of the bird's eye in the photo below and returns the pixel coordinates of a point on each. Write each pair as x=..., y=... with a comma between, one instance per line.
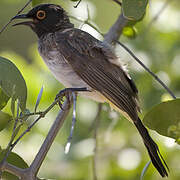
x=41, y=14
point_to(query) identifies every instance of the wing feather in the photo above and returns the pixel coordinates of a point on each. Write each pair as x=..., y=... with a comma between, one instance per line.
x=89, y=59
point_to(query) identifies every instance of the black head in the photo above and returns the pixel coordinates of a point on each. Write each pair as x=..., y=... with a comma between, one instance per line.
x=45, y=18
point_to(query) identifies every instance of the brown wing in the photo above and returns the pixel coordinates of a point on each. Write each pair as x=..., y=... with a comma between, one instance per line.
x=90, y=60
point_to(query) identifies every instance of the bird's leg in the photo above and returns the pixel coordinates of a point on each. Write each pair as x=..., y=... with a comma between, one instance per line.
x=66, y=92
x=68, y=144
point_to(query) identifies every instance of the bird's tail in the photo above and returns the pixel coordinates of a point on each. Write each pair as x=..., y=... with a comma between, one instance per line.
x=153, y=150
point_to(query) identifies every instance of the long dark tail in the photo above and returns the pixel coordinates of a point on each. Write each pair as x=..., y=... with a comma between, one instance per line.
x=153, y=149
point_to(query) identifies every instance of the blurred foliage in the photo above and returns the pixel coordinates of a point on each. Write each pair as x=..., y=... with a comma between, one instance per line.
x=122, y=154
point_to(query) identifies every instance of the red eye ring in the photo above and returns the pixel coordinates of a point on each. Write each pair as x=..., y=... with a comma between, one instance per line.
x=41, y=14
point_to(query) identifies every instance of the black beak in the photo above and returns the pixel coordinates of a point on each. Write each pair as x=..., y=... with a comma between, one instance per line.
x=22, y=16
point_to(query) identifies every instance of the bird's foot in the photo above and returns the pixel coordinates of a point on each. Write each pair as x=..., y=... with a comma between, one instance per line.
x=66, y=93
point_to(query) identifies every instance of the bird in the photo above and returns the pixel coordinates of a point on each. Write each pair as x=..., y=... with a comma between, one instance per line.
x=89, y=66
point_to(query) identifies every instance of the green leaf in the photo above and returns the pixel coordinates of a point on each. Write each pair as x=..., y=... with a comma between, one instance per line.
x=12, y=82
x=3, y=99
x=134, y=9
x=4, y=120
x=165, y=119
x=15, y=160
x=130, y=32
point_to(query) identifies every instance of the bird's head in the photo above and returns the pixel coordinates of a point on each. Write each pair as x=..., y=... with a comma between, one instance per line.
x=45, y=18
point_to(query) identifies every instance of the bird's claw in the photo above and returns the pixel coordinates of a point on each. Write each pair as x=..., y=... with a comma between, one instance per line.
x=61, y=94
x=66, y=92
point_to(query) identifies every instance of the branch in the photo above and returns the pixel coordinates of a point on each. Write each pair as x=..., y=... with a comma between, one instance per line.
x=11, y=169
x=116, y=30
x=31, y=172
x=12, y=144
x=50, y=137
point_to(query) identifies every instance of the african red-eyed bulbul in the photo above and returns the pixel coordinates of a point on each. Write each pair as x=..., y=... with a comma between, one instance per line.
x=78, y=60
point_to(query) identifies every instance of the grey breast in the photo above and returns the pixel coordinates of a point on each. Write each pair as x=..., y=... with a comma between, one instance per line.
x=57, y=64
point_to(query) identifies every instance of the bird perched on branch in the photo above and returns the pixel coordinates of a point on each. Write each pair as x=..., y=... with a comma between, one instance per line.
x=88, y=66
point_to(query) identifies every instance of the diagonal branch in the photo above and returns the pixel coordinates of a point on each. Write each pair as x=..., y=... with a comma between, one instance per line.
x=50, y=137
x=116, y=30
x=31, y=172
x=11, y=169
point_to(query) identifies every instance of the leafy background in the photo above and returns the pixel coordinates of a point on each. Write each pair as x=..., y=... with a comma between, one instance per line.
x=122, y=154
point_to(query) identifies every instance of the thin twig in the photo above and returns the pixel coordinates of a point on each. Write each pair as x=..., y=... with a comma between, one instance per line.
x=5, y=26
x=30, y=114
x=29, y=127
x=77, y=4
x=97, y=121
x=147, y=69
x=118, y=2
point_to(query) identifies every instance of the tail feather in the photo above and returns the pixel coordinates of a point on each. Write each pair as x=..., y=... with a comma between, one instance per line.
x=153, y=150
